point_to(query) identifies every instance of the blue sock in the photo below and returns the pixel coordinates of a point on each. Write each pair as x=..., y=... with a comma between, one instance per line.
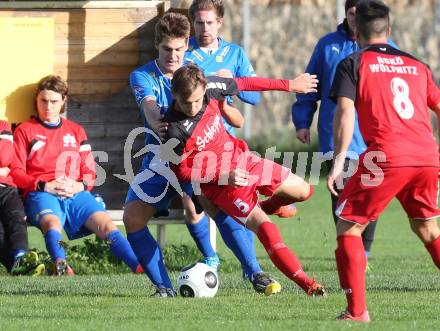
x=200, y=234
x=150, y=257
x=120, y=248
x=54, y=248
x=16, y=253
x=251, y=238
x=367, y=254
x=236, y=238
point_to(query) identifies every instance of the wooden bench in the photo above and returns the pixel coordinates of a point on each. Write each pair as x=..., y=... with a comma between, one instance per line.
x=177, y=216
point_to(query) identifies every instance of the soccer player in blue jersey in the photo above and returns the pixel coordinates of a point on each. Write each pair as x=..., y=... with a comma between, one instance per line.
x=156, y=185
x=329, y=51
x=214, y=55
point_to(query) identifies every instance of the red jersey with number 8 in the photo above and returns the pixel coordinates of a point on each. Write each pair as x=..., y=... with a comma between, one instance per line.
x=392, y=92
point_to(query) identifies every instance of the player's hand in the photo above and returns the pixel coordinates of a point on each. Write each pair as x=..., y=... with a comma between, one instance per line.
x=158, y=126
x=64, y=187
x=4, y=172
x=331, y=184
x=304, y=83
x=238, y=177
x=303, y=135
x=231, y=114
x=53, y=187
x=70, y=186
x=333, y=177
x=225, y=73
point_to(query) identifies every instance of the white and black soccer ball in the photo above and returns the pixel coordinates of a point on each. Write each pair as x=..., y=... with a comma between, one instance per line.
x=198, y=280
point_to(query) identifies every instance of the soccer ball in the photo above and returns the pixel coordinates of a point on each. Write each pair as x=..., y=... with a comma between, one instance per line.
x=198, y=280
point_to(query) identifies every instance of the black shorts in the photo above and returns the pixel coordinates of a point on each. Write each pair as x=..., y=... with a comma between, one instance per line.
x=11, y=206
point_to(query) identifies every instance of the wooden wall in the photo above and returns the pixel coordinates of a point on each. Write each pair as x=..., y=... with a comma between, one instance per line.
x=97, y=45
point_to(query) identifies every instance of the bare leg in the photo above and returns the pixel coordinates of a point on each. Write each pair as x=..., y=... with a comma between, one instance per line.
x=429, y=234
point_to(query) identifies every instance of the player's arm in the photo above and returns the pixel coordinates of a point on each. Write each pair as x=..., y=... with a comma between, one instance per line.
x=343, y=128
x=87, y=166
x=231, y=114
x=438, y=122
x=436, y=109
x=19, y=174
x=142, y=87
x=153, y=117
x=218, y=88
x=433, y=97
x=343, y=92
x=6, y=148
x=245, y=69
x=306, y=105
x=304, y=83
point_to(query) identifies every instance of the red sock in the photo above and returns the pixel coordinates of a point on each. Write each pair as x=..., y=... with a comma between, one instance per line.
x=434, y=249
x=270, y=205
x=351, y=263
x=283, y=258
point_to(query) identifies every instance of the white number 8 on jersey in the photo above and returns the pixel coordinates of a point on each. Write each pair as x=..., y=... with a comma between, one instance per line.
x=401, y=102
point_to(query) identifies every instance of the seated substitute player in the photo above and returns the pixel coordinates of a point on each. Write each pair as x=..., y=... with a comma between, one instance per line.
x=14, y=254
x=391, y=91
x=229, y=175
x=153, y=188
x=54, y=168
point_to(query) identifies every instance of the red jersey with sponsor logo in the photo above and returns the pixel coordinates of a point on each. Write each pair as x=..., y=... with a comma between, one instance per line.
x=207, y=148
x=44, y=153
x=6, y=151
x=392, y=92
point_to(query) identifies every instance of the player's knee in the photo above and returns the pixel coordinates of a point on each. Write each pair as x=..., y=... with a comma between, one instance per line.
x=305, y=192
x=427, y=231
x=50, y=222
x=136, y=216
x=191, y=216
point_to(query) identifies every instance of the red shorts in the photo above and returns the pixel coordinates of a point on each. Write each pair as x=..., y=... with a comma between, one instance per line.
x=239, y=201
x=416, y=188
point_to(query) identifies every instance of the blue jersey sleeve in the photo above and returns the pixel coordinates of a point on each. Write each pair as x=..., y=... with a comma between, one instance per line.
x=306, y=104
x=142, y=86
x=392, y=43
x=245, y=69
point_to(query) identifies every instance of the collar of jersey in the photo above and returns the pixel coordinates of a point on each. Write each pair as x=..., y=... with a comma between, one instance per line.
x=50, y=126
x=181, y=116
x=220, y=45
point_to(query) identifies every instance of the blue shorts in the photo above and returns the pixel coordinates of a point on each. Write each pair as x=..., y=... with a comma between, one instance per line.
x=157, y=194
x=72, y=212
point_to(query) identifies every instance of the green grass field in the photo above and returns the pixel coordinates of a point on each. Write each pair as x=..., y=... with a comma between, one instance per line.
x=403, y=288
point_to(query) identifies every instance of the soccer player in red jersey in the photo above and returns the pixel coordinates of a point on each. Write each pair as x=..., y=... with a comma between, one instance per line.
x=391, y=91
x=228, y=174
x=54, y=168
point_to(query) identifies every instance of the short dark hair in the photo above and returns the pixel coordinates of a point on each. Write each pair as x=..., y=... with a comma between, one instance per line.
x=186, y=79
x=349, y=4
x=372, y=18
x=172, y=25
x=215, y=5
x=53, y=83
